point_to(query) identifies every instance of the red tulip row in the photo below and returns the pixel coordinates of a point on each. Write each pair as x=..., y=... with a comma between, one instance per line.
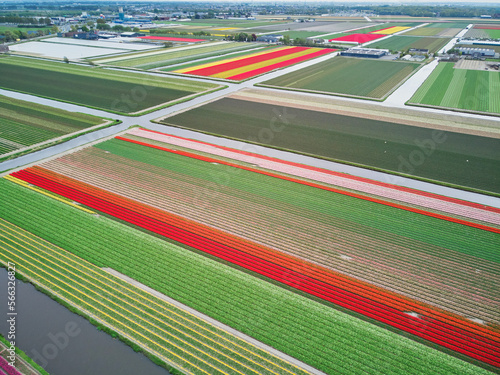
x=268, y=68
x=214, y=69
x=277, y=266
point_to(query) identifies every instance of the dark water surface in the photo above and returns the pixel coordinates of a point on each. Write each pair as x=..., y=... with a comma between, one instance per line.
x=65, y=343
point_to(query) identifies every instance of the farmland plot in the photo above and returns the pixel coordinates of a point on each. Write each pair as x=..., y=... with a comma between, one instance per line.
x=366, y=78
x=173, y=334
x=366, y=142
x=251, y=65
x=99, y=88
x=273, y=314
x=468, y=90
x=400, y=43
x=23, y=125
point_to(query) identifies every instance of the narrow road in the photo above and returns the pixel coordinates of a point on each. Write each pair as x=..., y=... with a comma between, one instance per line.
x=216, y=323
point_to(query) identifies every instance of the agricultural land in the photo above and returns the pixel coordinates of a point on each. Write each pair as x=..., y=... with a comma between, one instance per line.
x=347, y=76
x=348, y=138
x=403, y=43
x=250, y=65
x=220, y=191
x=25, y=126
x=464, y=89
x=97, y=88
x=150, y=168
x=175, y=56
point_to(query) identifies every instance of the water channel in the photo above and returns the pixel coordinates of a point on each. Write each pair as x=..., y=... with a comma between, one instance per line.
x=64, y=343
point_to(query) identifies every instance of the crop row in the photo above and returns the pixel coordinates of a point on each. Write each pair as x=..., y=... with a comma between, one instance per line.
x=288, y=228
x=298, y=235
x=323, y=337
x=151, y=316
x=250, y=65
x=444, y=333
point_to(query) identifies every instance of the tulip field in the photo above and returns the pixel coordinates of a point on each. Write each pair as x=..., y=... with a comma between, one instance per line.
x=461, y=89
x=110, y=90
x=189, y=343
x=323, y=337
x=361, y=38
x=24, y=125
x=252, y=64
x=308, y=240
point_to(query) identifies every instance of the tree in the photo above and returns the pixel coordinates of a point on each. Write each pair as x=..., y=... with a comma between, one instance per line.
x=85, y=29
x=9, y=36
x=168, y=44
x=254, y=37
x=101, y=21
x=104, y=26
x=136, y=30
x=286, y=40
x=66, y=60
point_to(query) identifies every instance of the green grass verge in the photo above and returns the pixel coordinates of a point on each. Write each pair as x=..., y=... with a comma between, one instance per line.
x=24, y=356
x=461, y=160
x=327, y=339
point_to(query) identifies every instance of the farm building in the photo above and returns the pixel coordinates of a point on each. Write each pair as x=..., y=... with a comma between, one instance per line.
x=272, y=38
x=478, y=52
x=418, y=50
x=86, y=36
x=131, y=34
x=365, y=52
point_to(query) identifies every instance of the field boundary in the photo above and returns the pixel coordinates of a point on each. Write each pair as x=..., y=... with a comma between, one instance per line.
x=410, y=103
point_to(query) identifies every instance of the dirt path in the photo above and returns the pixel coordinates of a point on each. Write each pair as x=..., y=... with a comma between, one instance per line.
x=216, y=323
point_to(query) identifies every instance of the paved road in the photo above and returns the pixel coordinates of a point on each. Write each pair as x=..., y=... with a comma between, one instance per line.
x=397, y=99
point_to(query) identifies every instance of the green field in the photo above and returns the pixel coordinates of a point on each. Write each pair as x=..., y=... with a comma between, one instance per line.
x=400, y=43
x=330, y=340
x=24, y=124
x=368, y=78
x=25, y=29
x=470, y=90
x=448, y=25
x=169, y=57
x=116, y=91
x=302, y=34
x=494, y=34
x=364, y=142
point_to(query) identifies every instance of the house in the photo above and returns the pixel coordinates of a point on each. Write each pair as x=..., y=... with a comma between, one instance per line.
x=270, y=38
